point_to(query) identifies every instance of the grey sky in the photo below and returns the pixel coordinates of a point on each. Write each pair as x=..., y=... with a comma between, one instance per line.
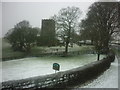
x=0, y=19
x=34, y=12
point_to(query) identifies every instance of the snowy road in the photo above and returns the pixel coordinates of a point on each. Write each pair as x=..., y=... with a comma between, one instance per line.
x=118, y=56
x=119, y=71
x=109, y=79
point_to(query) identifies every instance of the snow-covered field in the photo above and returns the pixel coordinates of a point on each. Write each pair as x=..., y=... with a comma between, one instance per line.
x=35, y=66
x=109, y=79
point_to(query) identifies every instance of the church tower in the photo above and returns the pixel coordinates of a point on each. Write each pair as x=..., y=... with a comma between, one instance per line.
x=47, y=34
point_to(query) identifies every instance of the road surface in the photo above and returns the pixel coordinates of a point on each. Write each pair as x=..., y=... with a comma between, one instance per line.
x=109, y=79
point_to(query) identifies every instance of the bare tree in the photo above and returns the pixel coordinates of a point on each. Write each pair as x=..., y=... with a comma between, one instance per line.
x=66, y=21
x=101, y=23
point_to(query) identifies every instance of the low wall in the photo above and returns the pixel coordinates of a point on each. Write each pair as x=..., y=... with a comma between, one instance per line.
x=61, y=79
x=49, y=54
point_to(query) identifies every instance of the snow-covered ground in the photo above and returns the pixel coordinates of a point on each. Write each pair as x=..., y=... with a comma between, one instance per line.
x=36, y=66
x=0, y=72
x=109, y=79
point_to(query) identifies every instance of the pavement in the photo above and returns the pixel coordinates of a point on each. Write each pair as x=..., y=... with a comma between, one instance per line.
x=110, y=78
x=118, y=57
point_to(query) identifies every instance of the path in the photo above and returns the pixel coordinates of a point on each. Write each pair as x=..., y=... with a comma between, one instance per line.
x=109, y=79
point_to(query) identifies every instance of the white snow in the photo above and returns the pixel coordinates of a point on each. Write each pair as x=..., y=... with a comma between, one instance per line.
x=109, y=79
x=0, y=71
x=36, y=66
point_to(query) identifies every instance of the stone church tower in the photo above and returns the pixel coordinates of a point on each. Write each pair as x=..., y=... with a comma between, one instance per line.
x=47, y=34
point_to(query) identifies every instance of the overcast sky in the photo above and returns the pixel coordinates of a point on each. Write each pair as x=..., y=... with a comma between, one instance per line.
x=34, y=12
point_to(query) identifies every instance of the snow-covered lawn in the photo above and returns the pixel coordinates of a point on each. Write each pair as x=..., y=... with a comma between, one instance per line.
x=35, y=66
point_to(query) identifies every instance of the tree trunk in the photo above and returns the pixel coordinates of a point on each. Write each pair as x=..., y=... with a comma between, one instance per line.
x=91, y=41
x=106, y=43
x=66, y=48
x=107, y=46
x=98, y=58
x=68, y=39
x=84, y=42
